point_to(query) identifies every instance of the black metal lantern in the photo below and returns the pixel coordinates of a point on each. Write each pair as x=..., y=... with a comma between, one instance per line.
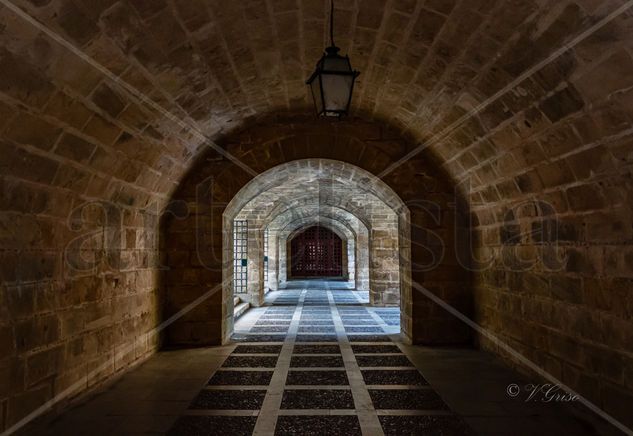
x=332, y=82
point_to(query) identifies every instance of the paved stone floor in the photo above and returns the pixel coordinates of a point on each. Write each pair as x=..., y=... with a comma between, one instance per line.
x=315, y=362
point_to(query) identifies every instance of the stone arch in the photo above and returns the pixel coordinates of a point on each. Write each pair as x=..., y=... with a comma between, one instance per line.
x=287, y=190
x=288, y=237
x=347, y=235
x=302, y=215
x=214, y=184
x=346, y=186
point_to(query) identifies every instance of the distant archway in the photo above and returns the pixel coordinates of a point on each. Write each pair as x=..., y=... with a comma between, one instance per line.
x=316, y=252
x=285, y=193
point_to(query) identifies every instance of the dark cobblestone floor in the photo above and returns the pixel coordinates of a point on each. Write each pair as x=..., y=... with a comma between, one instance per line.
x=324, y=348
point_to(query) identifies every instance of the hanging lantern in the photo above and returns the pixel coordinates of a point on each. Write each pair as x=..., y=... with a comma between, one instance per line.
x=332, y=82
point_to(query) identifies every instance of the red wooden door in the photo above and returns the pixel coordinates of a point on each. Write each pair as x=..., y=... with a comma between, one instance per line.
x=316, y=252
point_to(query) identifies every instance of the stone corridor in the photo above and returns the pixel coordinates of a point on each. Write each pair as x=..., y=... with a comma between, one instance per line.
x=159, y=157
x=315, y=360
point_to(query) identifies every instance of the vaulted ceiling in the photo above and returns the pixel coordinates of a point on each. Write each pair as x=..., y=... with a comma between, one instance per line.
x=116, y=99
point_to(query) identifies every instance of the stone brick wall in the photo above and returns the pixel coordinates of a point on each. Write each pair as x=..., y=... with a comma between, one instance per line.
x=553, y=200
x=549, y=180
x=78, y=255
x=82, y=183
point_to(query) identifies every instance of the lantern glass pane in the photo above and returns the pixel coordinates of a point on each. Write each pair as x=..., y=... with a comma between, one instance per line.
x=315, y=86
x=336, y=91
x=338, y=63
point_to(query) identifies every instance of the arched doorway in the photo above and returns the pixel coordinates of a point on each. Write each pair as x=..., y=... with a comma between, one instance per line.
x=347, y=226
x=427, y=248
x=316, y=252
x=292, y=198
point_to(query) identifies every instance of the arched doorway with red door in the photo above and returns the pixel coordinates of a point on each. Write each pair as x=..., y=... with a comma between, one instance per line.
x=317, y=252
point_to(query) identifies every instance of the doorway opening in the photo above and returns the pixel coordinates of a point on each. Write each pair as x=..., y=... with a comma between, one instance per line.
x=316, y=252
x=317, y=222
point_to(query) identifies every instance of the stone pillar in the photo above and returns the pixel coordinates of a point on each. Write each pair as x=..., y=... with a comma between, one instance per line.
x=406, y=299
x=255, y=285
x=227, y=287
x=273, y=260
x=362, y=261
x=385, y=265
x=282, y=261
x=351, y=260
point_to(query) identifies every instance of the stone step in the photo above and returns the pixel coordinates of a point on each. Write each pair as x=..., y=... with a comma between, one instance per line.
x=240, y=309
x=236, y=301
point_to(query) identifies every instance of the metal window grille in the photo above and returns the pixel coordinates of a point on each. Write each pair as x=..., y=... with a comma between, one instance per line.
x=266, y=259
x=240, y=256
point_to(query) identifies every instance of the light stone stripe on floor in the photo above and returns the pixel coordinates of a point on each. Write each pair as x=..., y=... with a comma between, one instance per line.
x=272, y=401
x=369, y=423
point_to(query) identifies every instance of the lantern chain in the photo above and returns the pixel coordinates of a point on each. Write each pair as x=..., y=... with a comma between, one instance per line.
x=332, y=23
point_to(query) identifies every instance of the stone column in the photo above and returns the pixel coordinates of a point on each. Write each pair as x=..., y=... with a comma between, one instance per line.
x=282, y=261
x=351, y=260
x=255, y=285
x=385, y=265
x=362, y=261
x=406, y=299
x=273, y=260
